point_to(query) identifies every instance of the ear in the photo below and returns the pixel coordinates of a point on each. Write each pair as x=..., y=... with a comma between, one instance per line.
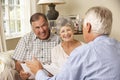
x=88, y=27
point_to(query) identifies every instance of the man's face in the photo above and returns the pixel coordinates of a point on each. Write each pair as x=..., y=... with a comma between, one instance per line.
x=40, y=28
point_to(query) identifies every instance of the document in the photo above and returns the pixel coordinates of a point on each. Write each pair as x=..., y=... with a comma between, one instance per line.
x=51, y=68
x=27, y=70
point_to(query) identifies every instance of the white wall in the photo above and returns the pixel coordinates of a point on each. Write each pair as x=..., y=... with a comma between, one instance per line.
x=74, y=7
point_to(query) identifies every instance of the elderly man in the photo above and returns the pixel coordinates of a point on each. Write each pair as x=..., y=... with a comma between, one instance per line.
x=37, y=43
x=97, y=60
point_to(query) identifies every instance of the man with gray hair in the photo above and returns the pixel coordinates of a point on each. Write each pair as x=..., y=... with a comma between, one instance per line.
x=38, y=43
x=97, y=60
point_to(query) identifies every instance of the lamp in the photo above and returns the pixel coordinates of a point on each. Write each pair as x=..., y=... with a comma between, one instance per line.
x=52, y=14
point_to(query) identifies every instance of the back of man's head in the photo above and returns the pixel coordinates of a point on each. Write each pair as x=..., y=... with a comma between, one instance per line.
x=100, y=19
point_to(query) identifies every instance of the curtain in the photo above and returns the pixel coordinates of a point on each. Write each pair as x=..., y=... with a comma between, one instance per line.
x=2, y=35
x=2, y=40
x=0, y=45
x=27, y=9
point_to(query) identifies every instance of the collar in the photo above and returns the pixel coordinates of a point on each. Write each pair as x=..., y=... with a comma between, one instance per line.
x=34, y=36
x=49, y=39
x=101, y=37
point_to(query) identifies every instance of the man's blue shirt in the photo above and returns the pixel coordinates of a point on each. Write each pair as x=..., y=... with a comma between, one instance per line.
x=97, y=60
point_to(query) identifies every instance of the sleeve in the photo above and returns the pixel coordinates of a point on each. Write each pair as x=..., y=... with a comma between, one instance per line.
x=20, y=50
x=73, y=69
x=65, y=74
x=41, y=75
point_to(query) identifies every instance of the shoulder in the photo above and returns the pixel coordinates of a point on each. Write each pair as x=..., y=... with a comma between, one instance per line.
x=56, y=47
x=56, y=51
x=82, y=51
x=27, y=37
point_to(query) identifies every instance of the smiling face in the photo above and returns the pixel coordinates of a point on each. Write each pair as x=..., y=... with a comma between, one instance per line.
x=66, y=33
x=40, y=28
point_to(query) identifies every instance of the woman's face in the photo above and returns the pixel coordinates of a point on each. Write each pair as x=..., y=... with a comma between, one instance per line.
x=66, y=33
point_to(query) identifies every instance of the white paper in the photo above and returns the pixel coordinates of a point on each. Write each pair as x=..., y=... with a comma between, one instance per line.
x=27, y=70
x=52, y=69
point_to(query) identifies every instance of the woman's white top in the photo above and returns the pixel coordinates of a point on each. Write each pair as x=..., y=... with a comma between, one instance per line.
x=59, y=57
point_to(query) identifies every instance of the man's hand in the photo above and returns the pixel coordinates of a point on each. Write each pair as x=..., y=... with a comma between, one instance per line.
x=18, y=66
x=34, y=65
x=24, y=75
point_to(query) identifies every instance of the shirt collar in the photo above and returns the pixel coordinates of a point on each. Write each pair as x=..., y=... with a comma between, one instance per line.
x=49, y=39
x=34, y=36
x=101, y=37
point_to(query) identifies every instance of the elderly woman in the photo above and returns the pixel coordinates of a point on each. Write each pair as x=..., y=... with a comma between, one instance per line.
x=61, y=52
